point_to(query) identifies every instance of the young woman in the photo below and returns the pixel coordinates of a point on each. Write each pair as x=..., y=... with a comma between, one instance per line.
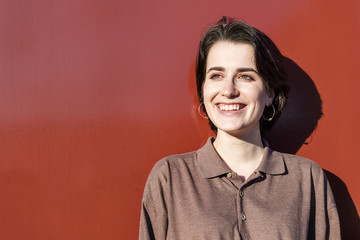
x=235, y=187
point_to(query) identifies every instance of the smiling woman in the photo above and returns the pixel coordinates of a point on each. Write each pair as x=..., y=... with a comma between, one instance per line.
x=235, y=96
x=235, y=186
x=232, y=80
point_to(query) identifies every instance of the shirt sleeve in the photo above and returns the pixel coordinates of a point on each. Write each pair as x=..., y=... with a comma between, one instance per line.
x=153, y=218
x=153, y=223
x=334, y=224
x=327, y=223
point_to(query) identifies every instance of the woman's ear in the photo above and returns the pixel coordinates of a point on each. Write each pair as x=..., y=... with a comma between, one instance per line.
x=269, y=99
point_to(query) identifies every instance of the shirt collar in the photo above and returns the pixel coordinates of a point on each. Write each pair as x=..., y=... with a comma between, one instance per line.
x=272, y=162
x=210, y=162
x=211, y=165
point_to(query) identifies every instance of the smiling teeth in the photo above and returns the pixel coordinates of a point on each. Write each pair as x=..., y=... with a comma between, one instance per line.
x=234, y=107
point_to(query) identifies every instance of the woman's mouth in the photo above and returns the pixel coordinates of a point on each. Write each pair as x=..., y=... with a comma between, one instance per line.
x=230, y=107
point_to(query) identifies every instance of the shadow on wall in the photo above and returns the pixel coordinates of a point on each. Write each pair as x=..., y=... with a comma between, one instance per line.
x=301, y=114
x=295, y=125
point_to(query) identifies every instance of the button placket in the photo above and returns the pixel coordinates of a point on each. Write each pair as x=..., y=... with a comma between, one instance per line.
x=242, y=215
x=241, y=193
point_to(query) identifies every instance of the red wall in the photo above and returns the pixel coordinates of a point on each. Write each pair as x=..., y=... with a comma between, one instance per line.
x=93, y=93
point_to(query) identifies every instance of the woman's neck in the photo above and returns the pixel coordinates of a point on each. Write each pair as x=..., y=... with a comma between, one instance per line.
x=242, y=154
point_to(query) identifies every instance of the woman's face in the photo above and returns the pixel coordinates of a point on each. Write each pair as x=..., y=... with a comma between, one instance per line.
x=234, y=93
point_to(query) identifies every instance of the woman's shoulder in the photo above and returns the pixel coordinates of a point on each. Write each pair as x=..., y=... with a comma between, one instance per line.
x=169, y=171
x=300, y=163
x=173, y=163
x=298, y=159
x=177, y=159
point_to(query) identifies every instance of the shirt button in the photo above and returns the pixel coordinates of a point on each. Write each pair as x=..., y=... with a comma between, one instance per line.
x=243, y=217
x=241, y=193
x=229, y=175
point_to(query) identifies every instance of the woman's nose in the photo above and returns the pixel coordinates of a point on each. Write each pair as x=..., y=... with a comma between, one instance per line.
x=229, y=89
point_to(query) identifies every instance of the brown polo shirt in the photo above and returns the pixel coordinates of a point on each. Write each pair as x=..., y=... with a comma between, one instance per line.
x=196, y=196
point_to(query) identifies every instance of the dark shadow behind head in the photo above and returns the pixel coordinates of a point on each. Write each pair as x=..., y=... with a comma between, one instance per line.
x=300, y=115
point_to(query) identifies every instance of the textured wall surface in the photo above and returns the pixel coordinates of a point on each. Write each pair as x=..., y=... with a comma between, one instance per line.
x=94, y=92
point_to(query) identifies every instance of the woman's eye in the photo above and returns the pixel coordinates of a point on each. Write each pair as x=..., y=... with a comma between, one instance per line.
x=246, y=77
x=215, y=77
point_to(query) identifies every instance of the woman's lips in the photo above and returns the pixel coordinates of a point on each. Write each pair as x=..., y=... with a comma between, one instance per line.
x=230, y=107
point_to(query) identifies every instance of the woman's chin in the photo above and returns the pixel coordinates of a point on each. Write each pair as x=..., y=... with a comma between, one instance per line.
x=230, y=129
x=238, y=129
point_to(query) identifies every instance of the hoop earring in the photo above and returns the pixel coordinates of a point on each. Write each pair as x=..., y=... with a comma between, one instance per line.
x=206, y=117
x=273, y=115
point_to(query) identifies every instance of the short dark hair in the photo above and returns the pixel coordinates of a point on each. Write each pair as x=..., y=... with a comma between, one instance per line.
x=268, y=60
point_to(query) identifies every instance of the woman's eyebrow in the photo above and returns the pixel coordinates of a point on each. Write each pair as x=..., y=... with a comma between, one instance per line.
x=247, y=70
x=217, y=68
